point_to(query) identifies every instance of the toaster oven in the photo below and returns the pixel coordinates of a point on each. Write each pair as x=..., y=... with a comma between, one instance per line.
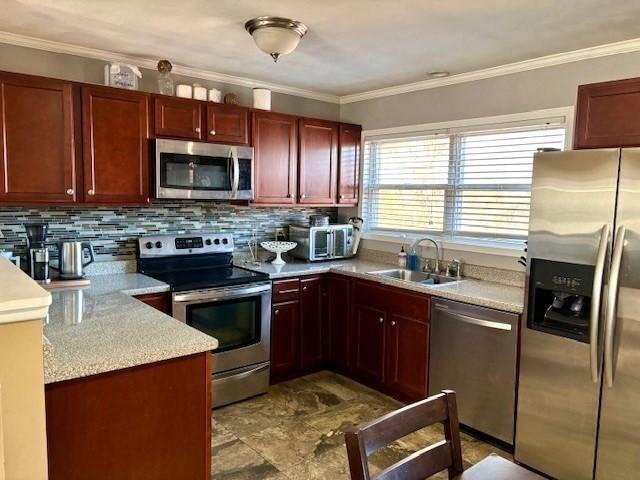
x=326, y=242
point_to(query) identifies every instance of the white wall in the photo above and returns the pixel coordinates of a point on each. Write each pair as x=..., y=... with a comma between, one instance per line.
x=540, y=89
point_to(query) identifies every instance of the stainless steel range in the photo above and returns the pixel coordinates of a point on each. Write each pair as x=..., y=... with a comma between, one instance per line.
x=227, y=302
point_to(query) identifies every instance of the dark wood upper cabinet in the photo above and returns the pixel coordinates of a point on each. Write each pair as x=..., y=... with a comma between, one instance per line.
x=338, y=303
x=285, y=338
x=37, y=158
x=275, y=158
x=607, y=114
x=178, y=118
x=311, y=321
x=115, y=135
x=349, y=164
x=228, y=124
x=318, y=162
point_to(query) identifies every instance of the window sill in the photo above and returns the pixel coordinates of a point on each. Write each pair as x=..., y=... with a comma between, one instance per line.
x=502, y=248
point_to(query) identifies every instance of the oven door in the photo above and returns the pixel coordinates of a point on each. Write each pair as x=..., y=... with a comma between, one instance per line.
x=239, y=317
x=195, y=170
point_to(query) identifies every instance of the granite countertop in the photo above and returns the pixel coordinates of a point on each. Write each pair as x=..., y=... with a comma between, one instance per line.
x=21, y=298
x=101, y=328
x=476, y=292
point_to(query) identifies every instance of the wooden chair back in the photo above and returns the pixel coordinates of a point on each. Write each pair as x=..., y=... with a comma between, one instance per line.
x=364, y=440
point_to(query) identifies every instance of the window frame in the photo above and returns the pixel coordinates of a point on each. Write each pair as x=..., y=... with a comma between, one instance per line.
x=563, y=117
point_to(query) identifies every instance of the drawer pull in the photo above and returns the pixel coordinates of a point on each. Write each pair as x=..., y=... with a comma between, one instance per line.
x=381, y=320
x=304, y=289
x=70, y=191
x=212, y=132
x=393, y=323
x=197, y=129
x=280, y=292
x=276, y=312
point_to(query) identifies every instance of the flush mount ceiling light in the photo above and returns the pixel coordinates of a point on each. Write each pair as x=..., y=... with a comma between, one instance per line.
x=275, y=35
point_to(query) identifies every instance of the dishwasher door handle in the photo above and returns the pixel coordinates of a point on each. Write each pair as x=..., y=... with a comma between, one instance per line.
x=474, y=321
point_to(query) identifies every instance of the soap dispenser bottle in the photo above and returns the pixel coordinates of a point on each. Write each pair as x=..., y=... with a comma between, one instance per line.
x=402, y=258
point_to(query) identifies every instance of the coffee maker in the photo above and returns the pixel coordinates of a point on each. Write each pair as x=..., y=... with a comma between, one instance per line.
x=37, y=251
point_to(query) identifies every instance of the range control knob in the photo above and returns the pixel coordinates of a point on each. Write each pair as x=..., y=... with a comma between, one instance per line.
x=207, y=242
x=158, y=244
x=225, y=241
x=148, y=245
x=217, y=241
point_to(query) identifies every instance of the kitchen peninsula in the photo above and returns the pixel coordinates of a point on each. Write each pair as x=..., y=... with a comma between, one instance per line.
x=127, y=387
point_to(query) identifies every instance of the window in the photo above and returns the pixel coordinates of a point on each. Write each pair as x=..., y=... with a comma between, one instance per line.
x=457, y=184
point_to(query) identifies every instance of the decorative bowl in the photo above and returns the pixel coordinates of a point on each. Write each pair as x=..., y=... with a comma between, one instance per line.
x=278, y=248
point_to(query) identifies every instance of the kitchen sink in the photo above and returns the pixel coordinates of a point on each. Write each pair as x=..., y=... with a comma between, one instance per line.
x=417, y=277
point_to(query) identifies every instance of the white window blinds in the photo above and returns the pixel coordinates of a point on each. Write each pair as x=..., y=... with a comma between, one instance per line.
x=456, y=184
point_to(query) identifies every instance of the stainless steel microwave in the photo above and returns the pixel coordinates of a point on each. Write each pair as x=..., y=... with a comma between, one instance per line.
x=322, y=243
x=202, y=171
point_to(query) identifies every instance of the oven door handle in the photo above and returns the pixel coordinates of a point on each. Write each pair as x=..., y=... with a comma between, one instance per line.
x=224, y=293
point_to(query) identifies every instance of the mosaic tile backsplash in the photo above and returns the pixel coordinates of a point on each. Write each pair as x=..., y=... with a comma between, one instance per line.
x=114, y=230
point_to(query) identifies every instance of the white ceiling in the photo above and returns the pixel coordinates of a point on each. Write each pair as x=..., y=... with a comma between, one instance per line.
x=352, y=45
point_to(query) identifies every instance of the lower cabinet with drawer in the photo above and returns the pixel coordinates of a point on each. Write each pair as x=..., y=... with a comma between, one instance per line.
x=297, y=326
x=377, y=334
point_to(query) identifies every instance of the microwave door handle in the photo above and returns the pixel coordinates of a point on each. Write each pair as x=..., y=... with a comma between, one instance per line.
x=235, y=169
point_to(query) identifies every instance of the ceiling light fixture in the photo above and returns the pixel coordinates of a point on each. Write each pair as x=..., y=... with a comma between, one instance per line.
x=438, y=74
x=275, y=35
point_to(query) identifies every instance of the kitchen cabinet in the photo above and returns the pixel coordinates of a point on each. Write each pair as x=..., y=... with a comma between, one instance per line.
x=178, y=118
x=275, y=139
x=150, y=421
x=390, y=345
x=159, y=301
x=338, y=293
x=407, y=346
x=368, y=346
x=285, y=338
x=37, y=154
x=349, y=164
x=607, y=114
x=311, y=321
x=227, y=124
x=115, y=132
x=318, y=162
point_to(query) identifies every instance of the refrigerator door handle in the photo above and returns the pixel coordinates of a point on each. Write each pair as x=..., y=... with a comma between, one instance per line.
x=612, y=300
x=594, y=330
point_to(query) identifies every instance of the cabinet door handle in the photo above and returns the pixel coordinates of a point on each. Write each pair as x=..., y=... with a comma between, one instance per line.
x=304, y=289
x=212, y=132
x=341, y=197
x=70, y=191
x=303, y=196
x=381, y=320
x=91, y=192
x=393, y=323
x=197, y=129
x=276, y=312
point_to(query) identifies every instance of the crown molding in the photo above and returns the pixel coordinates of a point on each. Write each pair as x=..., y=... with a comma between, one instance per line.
x=107, y=56
x=626, y=46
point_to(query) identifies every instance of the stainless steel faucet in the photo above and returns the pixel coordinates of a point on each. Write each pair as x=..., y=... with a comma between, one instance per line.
x=415, y=244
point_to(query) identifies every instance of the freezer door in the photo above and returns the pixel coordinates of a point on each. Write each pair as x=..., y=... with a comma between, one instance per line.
x=573, y=204
x=619, y=441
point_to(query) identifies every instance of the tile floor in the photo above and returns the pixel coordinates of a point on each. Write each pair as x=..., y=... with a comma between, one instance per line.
x=296, y=432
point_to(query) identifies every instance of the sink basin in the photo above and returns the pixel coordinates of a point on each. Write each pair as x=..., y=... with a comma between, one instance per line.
x=418, y=277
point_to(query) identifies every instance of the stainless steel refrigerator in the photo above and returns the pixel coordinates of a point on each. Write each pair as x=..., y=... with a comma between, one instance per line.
x=578, y=413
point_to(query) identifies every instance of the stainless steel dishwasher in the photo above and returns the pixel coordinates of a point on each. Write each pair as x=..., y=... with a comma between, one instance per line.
x=473, y=352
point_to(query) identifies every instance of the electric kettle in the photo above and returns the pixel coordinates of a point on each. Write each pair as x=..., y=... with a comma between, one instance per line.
x=71, y=259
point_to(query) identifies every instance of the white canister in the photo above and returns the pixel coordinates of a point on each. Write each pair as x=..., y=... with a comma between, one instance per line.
x=184, y=91
x=262, y=98
x=199, y=92
x=215, y=95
